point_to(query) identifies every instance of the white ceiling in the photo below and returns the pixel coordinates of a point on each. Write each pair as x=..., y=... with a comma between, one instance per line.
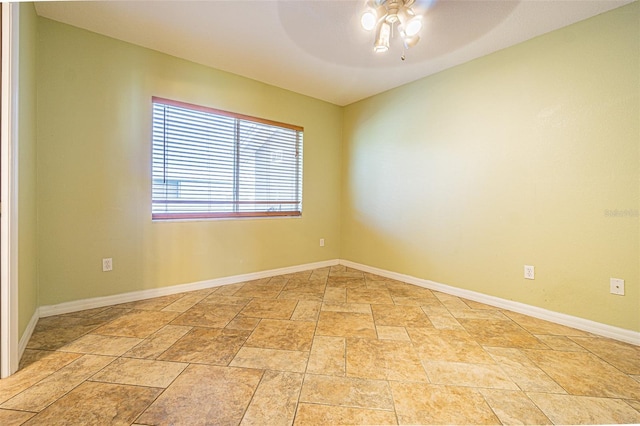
x=317, y=48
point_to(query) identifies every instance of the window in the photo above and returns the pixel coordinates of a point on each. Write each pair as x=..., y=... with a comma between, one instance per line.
x=209, y=164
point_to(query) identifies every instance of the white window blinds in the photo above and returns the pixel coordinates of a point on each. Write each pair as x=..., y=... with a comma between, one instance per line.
x=209, y=163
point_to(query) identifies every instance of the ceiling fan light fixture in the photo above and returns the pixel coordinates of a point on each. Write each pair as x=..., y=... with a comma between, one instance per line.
x=384, y=14
x=410, y=41
x=413, y=26
x=368, y=20
x=382, y=40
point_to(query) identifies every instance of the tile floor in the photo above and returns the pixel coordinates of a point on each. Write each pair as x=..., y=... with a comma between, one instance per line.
x=329, y=346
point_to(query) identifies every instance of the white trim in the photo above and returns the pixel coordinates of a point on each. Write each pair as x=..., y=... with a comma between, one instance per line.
x=9, y=358
x=26, y=336
x=600, y=329
x=97, y=302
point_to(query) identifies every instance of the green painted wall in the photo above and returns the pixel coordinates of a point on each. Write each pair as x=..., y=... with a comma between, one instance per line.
x=94, y=176
x=526, y=156
x=27, y=223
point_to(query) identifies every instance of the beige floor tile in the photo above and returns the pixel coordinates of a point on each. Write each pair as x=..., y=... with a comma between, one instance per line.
x=284, y=279
x=585, y=374
x=538, y=326
x=282, y=334
x=634, y=403
x=351, y=274
x=481, y=314
x=373, y=277
x=44, y=364
x=271, y=359
x=445, y=322
x=345, y=281
x=560, y=343
x=305, y=285
x=47, y=391
x=376, y=285
x=347, y=392
x=258, y=288
x=208, y=315
x=219, y=298
x=453, y=303
x=410, y=295
x=363, y=365
x=478, y=306
x=33, y=356
x=153, y=346
x=140, y=372
x=311, y=296
x=60, y=321
x=320, y=273
x=346, y=324
x=14, y=418
x=569, y=409
x=302, y=275
x=86, y=313
x=523, y=371
x=109, y=315
x=327, y=356
x=137, y=323
x=470, y=375
x=313, y=414
x=413, y=300
x=624, y=356
x=269, y=308
x=187, y=301
x=243, y=323
x=400, y=316
x=335, y=295
x=206, y=346
x=367, y=295
x=514, y=407
x=51, y=336
x=383, y=359
x=228, y=290
x=306, y=310
x=348, y=280
x=386, y=332
x=447, y=345
x=501, y=333
x=97, y=404
x=101, y=345
x=154, y=304
x=436, y=309
x=316, y=285
x=275, y=400
x=418, y=403
x=356, y=308
x=217, y=395
x=399, y=288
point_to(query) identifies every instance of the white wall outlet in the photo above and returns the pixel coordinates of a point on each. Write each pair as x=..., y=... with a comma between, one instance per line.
x=321, y=242
x=107, y=264
x=529, y=272
x=616, y=286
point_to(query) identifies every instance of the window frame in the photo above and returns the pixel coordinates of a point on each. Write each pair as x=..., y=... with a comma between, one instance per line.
x=235, y=214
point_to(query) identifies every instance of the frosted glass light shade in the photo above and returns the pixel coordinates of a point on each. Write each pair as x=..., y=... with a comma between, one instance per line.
x=368, y=20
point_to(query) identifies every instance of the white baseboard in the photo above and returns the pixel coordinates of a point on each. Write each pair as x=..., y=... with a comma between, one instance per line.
x=98, y=302
x=22, y=344
x=600, y=329
x=594, y=327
